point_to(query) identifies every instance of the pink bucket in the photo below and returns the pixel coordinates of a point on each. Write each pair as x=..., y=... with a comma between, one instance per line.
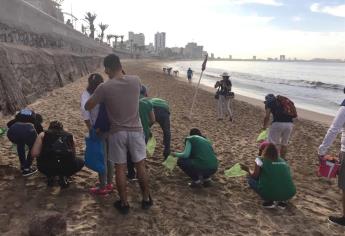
x=329, y=167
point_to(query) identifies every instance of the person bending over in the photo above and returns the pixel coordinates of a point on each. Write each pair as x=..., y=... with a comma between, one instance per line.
x=198, y=159
x=23, y=131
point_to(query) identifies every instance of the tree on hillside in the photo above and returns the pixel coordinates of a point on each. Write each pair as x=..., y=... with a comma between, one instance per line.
x=103, y=27
x=90, y=18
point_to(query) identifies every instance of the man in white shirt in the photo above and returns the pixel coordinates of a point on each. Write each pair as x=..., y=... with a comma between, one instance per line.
x=337, y=126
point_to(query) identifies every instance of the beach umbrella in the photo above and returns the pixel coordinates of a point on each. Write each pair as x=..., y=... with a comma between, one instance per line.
x=203, y=67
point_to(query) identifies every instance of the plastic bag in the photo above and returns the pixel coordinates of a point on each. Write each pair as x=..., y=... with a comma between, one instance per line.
x=235, y=171
x=151, y=146
x=94, y=153
x=170, y=163
x=262, y=136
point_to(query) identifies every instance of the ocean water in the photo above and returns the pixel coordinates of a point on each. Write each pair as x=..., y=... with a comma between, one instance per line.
x=313, y=86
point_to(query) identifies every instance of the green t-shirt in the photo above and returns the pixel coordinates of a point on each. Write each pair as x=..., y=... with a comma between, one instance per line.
x=275, y=182
x=202, y=154
x=158, y=102
x=145, y=107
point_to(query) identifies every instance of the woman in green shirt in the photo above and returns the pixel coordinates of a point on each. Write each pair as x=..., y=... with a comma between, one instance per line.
x=198, y=159
x=271, y=178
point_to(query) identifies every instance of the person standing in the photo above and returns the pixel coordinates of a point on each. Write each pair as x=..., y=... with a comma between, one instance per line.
x=338, y=125
x=120, y=94
x=224, y=95
x=282, y=124
x=90, y=118
x=189, y=74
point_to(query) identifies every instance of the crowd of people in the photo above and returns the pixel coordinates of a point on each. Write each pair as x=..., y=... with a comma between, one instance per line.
x=121, y=113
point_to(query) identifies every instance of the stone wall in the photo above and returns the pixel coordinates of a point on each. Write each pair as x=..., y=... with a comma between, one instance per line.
x=27, y=73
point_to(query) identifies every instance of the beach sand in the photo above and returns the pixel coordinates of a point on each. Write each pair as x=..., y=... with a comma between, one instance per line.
x=227, y=208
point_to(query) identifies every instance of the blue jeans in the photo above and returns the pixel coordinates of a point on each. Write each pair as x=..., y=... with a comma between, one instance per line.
x=23, y=134
x=163, y=119
x=253, y=184
x=192, y=171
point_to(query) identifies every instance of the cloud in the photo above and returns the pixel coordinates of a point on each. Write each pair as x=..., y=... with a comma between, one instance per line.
x=296, y=18
x=338, y=10
x=263, y=2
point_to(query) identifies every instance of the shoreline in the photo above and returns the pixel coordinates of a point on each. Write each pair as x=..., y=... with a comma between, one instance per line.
x=302, y=113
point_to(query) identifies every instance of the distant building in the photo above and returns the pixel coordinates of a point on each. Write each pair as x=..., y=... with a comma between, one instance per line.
x=137, y=39
x=282, y=58
x=193, y=51
x=49, y=7
x=160, y=41
x=212, y=55
x=230, y=57
x=177, y=50
x=150, y=48
x=254, y=58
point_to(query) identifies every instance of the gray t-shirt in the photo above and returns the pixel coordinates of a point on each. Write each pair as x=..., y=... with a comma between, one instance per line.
x=121, y=99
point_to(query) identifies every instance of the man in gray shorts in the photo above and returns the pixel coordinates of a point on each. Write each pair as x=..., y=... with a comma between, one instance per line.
x=337, y=126
x=282, y=124
x=120, y=94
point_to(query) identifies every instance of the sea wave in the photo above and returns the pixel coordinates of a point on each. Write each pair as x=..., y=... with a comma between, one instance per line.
x=245, y=77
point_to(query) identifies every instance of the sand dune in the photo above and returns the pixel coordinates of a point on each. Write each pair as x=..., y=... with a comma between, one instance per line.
x=228, y=208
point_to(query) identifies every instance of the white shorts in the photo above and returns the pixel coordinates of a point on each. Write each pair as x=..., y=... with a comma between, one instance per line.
x=126, y=141
x=279, y=133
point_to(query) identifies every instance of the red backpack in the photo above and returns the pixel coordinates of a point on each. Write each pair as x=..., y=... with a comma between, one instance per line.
x=287, y=105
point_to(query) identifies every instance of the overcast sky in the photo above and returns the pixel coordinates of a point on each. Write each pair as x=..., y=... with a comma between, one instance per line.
x=243, y=28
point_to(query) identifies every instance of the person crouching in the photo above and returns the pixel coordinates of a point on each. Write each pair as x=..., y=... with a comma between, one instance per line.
x=55, y=152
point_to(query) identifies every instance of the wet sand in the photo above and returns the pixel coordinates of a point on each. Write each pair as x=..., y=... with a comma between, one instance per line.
x=227, y=208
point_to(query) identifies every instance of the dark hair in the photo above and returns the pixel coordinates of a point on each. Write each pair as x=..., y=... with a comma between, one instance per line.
x=143, y=91
x=344, y=89
x=56, y=125
x=93, y=81
x=271, y=152
x=39, y=118
x=195, y=131
x=112, y=62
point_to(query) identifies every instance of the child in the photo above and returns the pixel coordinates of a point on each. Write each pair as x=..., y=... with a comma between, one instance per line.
x=271, y=178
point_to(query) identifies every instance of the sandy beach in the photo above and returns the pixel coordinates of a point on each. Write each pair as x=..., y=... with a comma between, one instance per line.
x=227, y=208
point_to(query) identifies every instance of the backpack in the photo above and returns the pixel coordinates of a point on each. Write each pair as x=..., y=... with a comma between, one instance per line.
x=58, y=144
x=288, y=107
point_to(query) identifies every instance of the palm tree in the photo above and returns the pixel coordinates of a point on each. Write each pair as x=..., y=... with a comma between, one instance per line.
x=103, y=27
x=90, y=18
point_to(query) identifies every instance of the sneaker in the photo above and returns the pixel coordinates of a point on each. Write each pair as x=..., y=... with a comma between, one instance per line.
x=195, y=184
x=109, y=187
x=29, y=171
x=63, y=182
x=146, y=204
x=99, y=191
x=281, y=205
x=207, y=183
x=268, y=204
x=337, y=220
x=123, y=209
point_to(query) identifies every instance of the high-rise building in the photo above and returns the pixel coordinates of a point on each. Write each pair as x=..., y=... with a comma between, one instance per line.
x=159, y=41
x=193, y=51
x=137, y=39
x=230, y=57
x=282, y=57
x=254, y=58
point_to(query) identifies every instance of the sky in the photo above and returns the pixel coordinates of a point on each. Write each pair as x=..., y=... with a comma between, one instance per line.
x=303, y=29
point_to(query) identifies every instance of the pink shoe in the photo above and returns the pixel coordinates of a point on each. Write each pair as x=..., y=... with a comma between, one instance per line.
x=99, y=191
x=110, y=187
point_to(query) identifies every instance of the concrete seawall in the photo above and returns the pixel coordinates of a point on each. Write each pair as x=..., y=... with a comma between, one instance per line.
x=39, y=53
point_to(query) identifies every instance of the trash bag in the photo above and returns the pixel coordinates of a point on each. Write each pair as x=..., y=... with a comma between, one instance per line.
x=262, y=136
x=235, y=171
x=151, y=146
x=170, y=163
x=94, y=153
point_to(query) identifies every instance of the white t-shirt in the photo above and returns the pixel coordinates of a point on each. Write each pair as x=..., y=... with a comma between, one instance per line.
x=88, y=115
x=337, y=126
